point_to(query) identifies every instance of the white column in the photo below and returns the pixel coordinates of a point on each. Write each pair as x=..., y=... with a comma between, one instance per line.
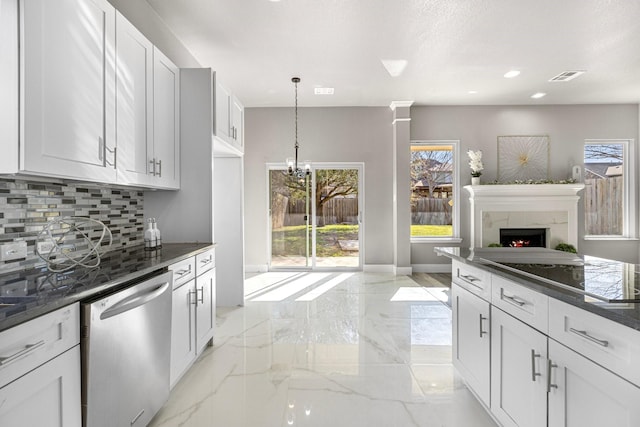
x=401, y=187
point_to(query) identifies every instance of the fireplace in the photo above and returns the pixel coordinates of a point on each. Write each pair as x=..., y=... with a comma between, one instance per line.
x=550, y=207
x=523, y=237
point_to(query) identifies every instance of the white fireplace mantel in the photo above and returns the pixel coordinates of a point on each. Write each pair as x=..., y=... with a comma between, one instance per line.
x=528, y=199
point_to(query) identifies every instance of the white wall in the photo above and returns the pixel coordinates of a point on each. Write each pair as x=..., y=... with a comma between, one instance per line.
x=365, y=135
x=567, y=126
x=325, y=135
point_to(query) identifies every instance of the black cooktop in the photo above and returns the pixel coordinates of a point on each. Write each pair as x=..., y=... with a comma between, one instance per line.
x=602, y=279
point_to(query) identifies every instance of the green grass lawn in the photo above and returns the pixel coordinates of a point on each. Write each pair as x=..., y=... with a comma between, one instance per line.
x=291, y=240
x=431, y=230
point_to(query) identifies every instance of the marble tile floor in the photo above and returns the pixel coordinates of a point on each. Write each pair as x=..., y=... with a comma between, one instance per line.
x=329, y=349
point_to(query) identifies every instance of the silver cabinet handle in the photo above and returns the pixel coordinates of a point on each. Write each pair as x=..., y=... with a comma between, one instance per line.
x=153, y=167
x=201, y=298
x=206, y=261
x=159, y=162
x=550, y=366
x=513, y=299
x=29, y=348
x=481, y=331
x=585, y=335
x=534, y=374
x=114, y=155
x=181, y=273
x=469, y=277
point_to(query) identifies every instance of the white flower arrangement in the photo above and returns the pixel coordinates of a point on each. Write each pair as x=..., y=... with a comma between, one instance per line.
x=475, y=163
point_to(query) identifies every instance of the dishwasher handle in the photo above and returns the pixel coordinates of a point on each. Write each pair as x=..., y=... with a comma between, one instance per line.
x=135, y=300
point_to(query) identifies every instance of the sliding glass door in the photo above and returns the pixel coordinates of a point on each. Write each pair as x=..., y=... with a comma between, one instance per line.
x=316, y=221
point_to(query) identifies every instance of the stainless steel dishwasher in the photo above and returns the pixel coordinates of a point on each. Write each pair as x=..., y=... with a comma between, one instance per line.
x=125, y=347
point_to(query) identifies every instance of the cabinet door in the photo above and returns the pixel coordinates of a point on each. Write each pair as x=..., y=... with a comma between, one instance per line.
x=471, y=340
x=183, y=330
x=206, y=307
x=68, y=82
x=583, y=394
x=166, y=121
x=518, y=376
x=223, y=116
x=134, y=79
x=237, y=122
x=46, y=396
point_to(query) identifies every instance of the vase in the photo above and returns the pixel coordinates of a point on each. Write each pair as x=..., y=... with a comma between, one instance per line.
x=475, y=180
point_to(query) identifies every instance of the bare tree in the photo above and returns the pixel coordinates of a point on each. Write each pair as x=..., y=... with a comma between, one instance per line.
x=431, y=167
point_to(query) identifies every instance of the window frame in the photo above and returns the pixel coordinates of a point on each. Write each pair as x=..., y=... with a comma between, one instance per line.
x=629, y=226
x=455, y=223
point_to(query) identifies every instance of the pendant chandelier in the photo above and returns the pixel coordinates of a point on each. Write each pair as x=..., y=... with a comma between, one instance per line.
x=292, y=164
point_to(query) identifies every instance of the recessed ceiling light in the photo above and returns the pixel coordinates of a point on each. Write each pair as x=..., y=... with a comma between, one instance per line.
x=395, y=67
x=472, y=92
x=323, y=91
x=511, y=74
x=538, y=95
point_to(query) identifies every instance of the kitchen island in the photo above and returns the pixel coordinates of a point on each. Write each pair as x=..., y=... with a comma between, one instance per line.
x=545, y=338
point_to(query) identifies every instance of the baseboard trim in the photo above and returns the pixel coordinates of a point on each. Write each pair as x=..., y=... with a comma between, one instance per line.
x=403, y=271
x=378, y=268
x=431, y=268
x=260, y=268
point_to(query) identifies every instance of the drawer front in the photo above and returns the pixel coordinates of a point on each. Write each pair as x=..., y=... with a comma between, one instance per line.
x=205, y=261
x=524, y=304
x=610, y=344
x=27, y=346
x=475, y=280
x=183, y=271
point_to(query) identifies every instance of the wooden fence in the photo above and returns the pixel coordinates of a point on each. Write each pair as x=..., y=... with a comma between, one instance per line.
x=428, y=211
x=603, y=205
x=289, y=213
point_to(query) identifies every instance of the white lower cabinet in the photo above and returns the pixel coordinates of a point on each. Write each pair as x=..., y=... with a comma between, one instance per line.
x=46, y=396
x=518, y=378
x=551, y=364
x=183, y=330
x=205, y=308
x=471, y=335
x=193, y=316
x=40, y=371
x=584, y=394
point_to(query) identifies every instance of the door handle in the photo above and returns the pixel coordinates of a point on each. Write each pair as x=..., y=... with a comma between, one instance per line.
x=512, y=299
x=585, y=335
x=29, y=348
x=481, y=331
x=550, y=366
x=134, y=301
x=534, y=374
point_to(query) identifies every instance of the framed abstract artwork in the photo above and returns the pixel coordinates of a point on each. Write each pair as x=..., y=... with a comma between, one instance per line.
x=523, y=158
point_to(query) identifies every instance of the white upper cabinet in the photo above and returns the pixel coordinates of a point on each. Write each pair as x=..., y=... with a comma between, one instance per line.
x=134, y=101
x=166, y=122
x=229, y=118
x=147, y=93
x=68, y=85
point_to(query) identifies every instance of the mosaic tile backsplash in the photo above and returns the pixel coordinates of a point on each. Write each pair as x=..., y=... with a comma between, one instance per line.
x=26, y=206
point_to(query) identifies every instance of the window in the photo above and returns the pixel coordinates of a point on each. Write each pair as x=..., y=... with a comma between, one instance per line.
x=434, y=191
x=608, y=189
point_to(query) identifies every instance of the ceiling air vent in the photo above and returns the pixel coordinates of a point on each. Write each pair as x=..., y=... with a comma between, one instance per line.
x=565, y=76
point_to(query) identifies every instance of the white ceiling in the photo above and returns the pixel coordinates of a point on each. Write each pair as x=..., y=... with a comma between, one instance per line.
x=452, y=47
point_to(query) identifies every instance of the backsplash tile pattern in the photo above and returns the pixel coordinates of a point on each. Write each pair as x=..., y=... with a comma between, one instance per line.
x=26, y=206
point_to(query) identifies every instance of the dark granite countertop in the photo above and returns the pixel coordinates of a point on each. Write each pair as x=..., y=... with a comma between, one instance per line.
x=604, y=287
x=27, y=294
